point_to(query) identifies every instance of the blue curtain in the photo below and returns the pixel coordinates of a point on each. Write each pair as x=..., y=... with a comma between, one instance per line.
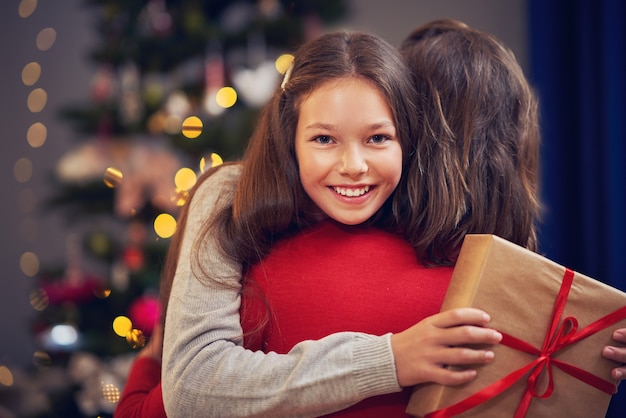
x=578, y=67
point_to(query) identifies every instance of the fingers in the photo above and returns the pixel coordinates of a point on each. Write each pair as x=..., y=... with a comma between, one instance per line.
x=617, y=354
x=461, y=316
x=452, y=377
x=451, y=338
x=620, y=335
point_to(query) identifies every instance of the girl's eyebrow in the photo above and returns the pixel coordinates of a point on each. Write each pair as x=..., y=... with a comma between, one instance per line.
x=331, y=127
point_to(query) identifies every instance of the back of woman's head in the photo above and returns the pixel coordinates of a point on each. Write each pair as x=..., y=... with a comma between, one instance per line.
x=476, y=165
x=270, y=200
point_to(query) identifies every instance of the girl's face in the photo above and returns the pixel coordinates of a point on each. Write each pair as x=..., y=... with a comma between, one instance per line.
x=347, y=148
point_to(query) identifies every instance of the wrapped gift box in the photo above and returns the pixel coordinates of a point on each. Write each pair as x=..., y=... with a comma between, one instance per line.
x=520, y=290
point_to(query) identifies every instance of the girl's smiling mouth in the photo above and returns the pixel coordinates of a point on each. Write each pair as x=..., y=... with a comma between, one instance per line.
x=351, y=191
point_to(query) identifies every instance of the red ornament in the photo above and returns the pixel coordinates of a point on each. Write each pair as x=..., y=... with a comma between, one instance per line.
x=133, y=258
x=60, y=291
x=145, y=312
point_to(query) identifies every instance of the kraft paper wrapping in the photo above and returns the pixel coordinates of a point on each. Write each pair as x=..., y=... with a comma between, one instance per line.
x=518, y=288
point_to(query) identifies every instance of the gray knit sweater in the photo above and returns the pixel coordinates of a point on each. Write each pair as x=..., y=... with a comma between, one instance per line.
x=206, y=370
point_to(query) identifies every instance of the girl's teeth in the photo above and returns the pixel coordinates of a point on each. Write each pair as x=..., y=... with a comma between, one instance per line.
x=351, y=192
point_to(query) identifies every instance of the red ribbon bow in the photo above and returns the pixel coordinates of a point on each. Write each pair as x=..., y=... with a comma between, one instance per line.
x=558, y=337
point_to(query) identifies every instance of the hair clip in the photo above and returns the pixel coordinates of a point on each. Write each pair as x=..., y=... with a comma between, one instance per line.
x=286, y=76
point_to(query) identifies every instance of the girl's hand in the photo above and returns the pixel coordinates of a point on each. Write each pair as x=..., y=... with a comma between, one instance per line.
x=422, y=351
x=617, y=354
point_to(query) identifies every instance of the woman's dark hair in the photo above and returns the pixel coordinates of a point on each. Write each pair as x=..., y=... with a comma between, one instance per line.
x=476, y=166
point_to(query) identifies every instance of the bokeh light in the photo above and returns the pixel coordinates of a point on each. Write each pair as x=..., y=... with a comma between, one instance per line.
x=29, y=263
x=283, y=62
x=122, y=325
x=113, y=177
x=37, y=134
x=37, y=100
x=46, y=38
x=23, y=170
x=64, y=335
x=38, y=299
x=31, y=73
x=192, y=127
x=226, y=97
x=110, y=392
x=185, y=178
x=6, y=377
x=180, y=197
x=102, y=293
x=27, y=8
x=165, y=225
x=136, y=338
x=214, y=161
x=41, y=359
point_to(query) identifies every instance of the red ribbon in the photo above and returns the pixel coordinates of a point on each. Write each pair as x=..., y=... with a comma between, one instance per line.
x=557, y=337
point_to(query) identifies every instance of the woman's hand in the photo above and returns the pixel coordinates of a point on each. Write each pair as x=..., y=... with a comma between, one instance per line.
x=617, y=354
x=154, y=346
x=422, y=351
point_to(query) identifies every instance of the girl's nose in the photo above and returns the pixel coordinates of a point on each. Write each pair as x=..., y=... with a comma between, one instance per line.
x=353, y=162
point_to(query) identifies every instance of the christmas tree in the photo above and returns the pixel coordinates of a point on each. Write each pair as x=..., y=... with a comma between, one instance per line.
x=177, y=89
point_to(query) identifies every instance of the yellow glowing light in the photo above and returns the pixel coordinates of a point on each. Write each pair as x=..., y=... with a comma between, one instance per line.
x=38, y=299
x=27, y=8
x=37, y=100
x=185, y=178
x=37, y=134
x=110, y=392
x=165, y=225
x=6, y=377
x=215, y=160
x=41, y=359
x=180, y=197
x=29, y=263
x=226, y=97
x=283, y=62
x=192, y=127
x=122, y=325
x=46, y=38
x=23, y=170
x=113, y=177
x=31, y=73
x=136, y=339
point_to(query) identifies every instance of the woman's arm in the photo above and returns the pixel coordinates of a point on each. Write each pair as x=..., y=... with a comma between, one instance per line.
x=141, y=397
x=207, y=371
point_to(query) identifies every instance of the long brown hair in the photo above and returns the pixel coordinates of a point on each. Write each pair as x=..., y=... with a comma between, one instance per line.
x=477, y=160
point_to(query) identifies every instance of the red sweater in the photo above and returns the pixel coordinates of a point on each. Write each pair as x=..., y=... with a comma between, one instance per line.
x=341, y=278
x=142, y=396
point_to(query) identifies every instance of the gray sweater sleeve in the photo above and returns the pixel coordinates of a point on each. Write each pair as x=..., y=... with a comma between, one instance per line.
x=206, y=370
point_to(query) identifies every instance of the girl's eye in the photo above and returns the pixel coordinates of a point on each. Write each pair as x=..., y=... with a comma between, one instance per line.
x=377, y=139
x=323, y=139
